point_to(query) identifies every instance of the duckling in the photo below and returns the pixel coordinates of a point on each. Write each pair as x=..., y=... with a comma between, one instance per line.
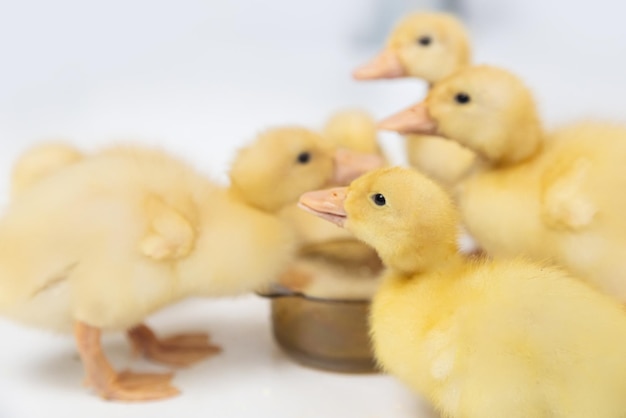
x=331, y=263
x=350, y=132
x=353, y=129
x=547, y=196
x=429, y=46
x=477, y=337
x=104, y=242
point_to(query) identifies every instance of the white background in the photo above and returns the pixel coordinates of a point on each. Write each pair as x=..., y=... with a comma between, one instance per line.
x=200, y=78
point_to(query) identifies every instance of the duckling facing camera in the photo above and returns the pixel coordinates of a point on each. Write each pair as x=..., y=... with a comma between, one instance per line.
x=477, y=337
x=97, y=243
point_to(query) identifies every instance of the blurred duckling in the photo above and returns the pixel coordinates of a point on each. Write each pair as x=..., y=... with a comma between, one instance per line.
x=547, y=196
x=429, y=46
x=478, y=338
x=350, y=132
x=331, y=263
x=104, y=242
x=355, y=130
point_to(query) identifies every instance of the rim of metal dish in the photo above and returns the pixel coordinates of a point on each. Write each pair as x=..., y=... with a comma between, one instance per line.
x=301, y=295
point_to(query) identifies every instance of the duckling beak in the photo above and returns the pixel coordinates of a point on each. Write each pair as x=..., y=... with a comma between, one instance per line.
x=326, y=204
x=384, y=65
x=414, y=120
x=351, y=164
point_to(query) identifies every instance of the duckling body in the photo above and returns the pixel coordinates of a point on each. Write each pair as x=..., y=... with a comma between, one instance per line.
x=546, y=196
x=502, y=339
x=560, y=205
x=87, y=255
x=100, y=243
x=478, y=337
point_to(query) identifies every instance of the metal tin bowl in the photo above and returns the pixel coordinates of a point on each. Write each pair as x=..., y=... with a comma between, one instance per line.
x=324, y=332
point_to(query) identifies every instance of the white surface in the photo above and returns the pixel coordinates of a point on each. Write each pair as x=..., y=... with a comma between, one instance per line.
x=41, y=374
x=199, y=79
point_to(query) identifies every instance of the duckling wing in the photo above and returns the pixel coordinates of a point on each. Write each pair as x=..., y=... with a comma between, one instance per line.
x=565, y=205
x=170, y=235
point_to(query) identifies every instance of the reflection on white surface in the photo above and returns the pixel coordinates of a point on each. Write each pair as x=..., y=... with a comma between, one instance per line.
x=200, y=79
x=41, y=374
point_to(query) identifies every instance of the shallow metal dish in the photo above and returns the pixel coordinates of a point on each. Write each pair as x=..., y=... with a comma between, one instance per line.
x=322, y=322
x=324, y=334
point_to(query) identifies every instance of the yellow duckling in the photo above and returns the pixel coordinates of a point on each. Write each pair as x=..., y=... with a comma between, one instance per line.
x=352, y=133
x=353, y=129
x=108, y=240
x=545, y=196
x=478, y=338
x=331, y=263
x=430, y=46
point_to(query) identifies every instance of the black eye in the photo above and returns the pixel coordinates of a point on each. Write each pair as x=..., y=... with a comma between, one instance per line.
x=424, y=40
x=304, y=157
x=379, y=199
x=462, y=98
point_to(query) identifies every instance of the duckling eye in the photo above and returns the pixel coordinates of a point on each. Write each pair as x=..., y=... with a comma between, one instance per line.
x=462, y=98
x=379, y=199
x=304, y=157
x=424, y=40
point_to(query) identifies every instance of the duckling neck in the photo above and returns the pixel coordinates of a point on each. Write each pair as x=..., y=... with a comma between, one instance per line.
x=421, y=258
x=236, y=194
x=525, y=144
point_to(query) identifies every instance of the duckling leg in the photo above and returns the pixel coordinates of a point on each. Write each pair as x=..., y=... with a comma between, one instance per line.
x=109, y=384
x=178, y=351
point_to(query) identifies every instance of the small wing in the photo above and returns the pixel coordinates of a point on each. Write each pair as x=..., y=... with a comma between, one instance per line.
x=565, y=205
x=170, y=236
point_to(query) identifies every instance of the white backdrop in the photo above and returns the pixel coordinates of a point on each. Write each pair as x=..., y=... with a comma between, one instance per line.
x=200, y=78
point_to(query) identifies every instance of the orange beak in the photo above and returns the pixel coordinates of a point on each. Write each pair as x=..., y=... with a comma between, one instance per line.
x=351, y=164
x=384, y=65
x=326, y=204
x=414, y=120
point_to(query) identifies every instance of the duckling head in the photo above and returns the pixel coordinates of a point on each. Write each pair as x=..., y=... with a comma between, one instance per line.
x=353, y=129
x=486, y=109
x=406, y=217
x=429, y=46
x=285, y=162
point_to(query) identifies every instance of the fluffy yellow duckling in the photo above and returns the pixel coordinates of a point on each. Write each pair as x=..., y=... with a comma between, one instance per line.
x=353, y=129
x=326, y=265
x=106, y=241
x=546, y=196
x=351, y=132
x=430, y=46
x=478, y=338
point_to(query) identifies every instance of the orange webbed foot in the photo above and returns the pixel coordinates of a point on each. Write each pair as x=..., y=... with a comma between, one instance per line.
x=178, y=351
x=134, y=387
x=125, y=386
